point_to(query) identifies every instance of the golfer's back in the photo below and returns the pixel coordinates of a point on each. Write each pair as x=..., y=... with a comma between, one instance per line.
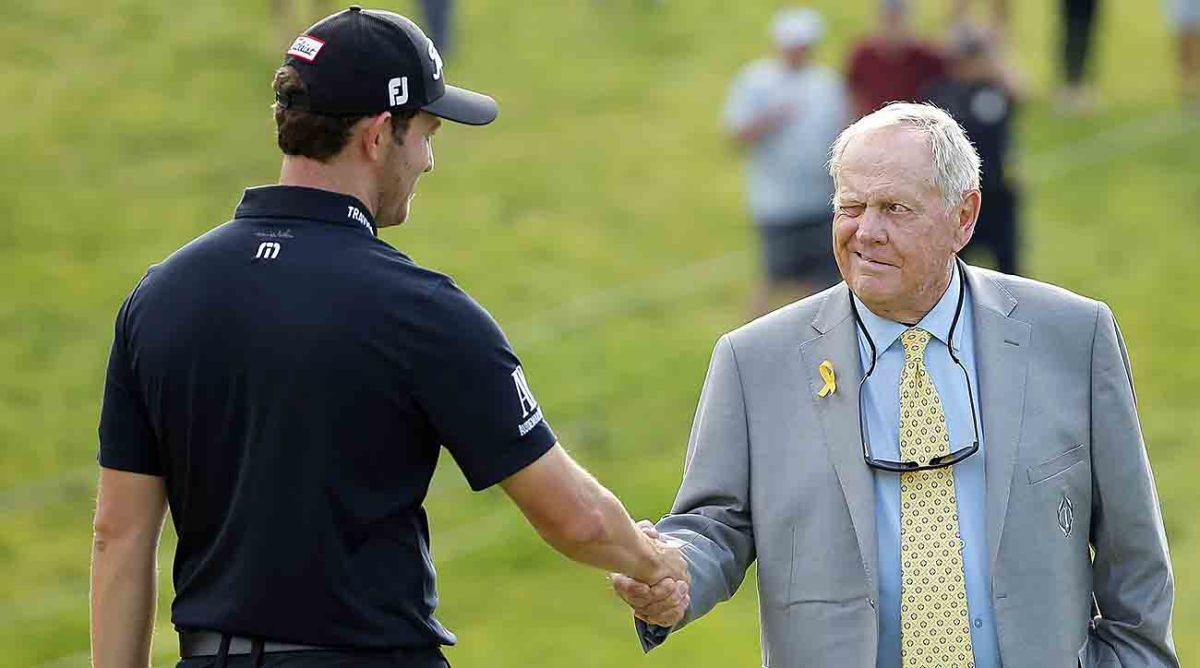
x=297, y=376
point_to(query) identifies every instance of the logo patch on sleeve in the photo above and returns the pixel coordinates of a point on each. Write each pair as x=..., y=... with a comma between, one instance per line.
x=530, y=412
x=306, y=48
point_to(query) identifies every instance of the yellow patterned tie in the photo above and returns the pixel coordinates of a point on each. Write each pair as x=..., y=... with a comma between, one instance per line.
x=934, y=628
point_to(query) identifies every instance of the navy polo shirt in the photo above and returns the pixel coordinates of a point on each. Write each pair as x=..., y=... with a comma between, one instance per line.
x=292, y=377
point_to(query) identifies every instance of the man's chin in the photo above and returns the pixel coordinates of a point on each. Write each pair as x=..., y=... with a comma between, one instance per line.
x=395, y=219
x=871, y=289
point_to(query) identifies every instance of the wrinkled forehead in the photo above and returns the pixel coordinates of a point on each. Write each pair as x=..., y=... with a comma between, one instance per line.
x=898, y=157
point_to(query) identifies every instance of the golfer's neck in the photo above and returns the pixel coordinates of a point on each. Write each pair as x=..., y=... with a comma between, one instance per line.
x=337, y=176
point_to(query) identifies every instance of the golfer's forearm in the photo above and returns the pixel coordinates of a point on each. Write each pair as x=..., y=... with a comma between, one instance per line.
x=606, y=537
x=123, y=600
x=580, y=518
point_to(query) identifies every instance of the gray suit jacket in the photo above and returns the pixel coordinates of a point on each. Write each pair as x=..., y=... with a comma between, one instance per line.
x=1079, y=563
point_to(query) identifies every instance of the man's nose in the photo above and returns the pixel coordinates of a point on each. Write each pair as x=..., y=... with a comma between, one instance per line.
x=871, y=227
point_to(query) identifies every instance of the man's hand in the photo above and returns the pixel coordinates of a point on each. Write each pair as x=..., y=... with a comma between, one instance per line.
x=669, y=555
x=663, y=602
x=766, y=123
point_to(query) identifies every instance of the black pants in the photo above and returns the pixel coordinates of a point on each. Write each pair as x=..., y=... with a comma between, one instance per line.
x=997, y=228
x=1078, y=23
x=324, y=659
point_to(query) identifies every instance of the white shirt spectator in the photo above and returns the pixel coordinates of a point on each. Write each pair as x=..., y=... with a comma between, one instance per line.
x=786, y=177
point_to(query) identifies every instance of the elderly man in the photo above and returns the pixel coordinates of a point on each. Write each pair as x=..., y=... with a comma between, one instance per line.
x=934, y=465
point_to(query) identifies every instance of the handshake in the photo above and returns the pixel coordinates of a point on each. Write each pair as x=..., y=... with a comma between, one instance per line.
x=662, y=597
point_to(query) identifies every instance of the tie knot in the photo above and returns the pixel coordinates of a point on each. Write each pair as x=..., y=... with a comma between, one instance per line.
x=914, y=340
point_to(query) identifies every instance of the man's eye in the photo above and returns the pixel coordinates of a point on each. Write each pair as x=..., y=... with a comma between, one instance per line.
x=850, y=209
x=897, y=208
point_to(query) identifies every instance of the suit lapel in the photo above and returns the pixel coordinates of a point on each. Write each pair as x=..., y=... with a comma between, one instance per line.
x=1001, y=361
x=836, y=341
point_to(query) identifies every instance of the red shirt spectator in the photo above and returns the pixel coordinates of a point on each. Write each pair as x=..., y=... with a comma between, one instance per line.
x=891, y=69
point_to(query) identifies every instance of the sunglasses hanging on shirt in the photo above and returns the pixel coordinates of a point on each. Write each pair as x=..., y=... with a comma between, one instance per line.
x=941, y=461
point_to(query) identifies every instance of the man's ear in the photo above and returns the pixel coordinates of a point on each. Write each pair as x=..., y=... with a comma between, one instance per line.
x=376, y=135
x=966, y=215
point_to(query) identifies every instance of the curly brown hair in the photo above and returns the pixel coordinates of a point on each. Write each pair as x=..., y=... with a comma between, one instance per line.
x=313, y=135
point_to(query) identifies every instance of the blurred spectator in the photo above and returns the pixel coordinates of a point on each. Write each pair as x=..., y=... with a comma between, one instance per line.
x=785, y=111
x=1185, y=19
x=892, y=65
x=960, y=11
x=439, y=23
x=981, y=93
x=1078, y=25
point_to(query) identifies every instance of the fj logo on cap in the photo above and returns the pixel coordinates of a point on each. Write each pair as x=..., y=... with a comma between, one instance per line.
x=397, y=91
x=306, y=48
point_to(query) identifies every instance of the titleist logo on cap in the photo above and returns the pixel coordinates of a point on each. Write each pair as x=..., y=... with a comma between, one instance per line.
x=306, y=48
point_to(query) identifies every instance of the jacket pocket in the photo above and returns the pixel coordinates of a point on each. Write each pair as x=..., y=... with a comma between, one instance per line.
x=1056, y=465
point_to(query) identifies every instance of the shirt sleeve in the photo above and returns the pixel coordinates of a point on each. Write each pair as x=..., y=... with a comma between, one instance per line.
x=471, y=386
x=127, y=441
x=744, y=102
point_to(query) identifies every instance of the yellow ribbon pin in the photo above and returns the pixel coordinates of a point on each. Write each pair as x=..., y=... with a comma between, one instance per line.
x=826, y=370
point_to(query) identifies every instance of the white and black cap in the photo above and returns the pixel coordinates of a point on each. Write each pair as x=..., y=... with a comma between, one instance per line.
x=796, y=27
x=360, y=62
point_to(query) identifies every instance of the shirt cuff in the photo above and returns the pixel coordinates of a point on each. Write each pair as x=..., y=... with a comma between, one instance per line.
x=651, y=635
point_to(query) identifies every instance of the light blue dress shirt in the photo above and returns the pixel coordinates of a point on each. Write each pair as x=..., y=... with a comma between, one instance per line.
x=881, y=404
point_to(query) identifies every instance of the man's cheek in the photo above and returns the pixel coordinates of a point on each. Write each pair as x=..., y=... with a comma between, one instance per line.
x=843, y=232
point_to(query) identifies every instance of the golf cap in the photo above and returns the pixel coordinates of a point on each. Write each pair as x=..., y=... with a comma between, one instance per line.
x=360, y=62
x=797, y=27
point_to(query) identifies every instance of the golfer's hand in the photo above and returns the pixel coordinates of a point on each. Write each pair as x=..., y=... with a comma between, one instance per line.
x=663, y=602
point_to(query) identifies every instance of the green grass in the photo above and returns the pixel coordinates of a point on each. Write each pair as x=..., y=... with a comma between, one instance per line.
x=601, y=222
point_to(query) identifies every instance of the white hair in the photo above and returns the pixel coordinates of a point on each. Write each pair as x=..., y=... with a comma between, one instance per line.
x=955, y=160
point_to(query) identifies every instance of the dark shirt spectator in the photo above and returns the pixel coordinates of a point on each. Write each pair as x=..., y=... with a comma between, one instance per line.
x=981, y=93
x=985, y=109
